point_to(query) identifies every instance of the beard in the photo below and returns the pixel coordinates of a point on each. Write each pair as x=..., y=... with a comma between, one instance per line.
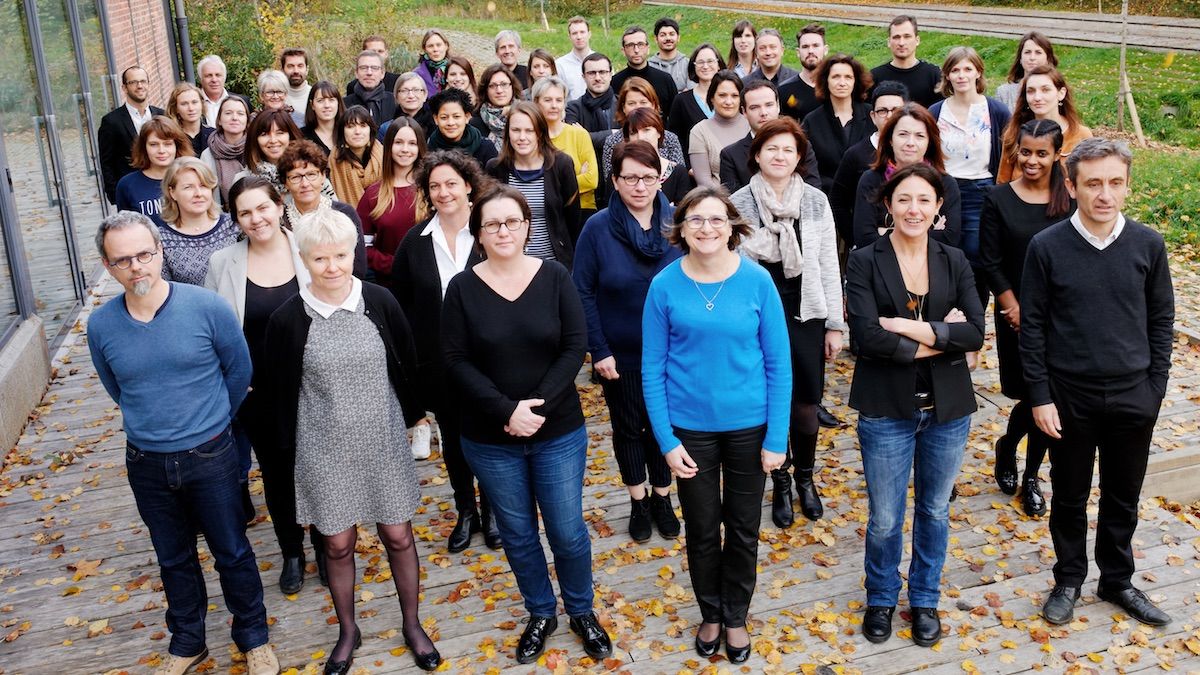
x=810, y=67
x=296, y=80
x=141, y=288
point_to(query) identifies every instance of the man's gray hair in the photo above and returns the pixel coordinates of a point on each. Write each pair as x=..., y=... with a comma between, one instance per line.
x=122, y=220
x=508, y=35
x=369, y=53
x=548, y=82
x=768, y=32
x=210, y=60
x=1097, y=148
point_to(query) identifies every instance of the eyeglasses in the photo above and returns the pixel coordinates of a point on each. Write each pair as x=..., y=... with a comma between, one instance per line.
x=366, y=68
x=648, y=181
x=596, y=73
x=412, y=91
x=274, y=93
x=143, y=258
x=500, y=85
x=885, y=111
x=636, y=45
x=512, y=224
x=697, y=222
x=311, y=177
x=137, y=83
x=705, y=62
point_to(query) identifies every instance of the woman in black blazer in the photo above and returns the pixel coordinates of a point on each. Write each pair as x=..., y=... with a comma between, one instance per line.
x=914, y=315
x=844, y=117
x=430, y=254
x=530, y=163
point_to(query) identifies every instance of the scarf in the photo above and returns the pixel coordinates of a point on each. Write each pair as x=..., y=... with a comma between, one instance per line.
x=776, y=240
x=597, y=110
x=228, y=158
x=649, y=244
x=292, y=214
x=495, y=117
x=468, y=142
x=437, y=69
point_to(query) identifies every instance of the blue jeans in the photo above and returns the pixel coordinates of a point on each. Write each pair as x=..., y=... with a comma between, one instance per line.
x=522, y=478
x=178, y=495
x=972, y=193
x=934, y=450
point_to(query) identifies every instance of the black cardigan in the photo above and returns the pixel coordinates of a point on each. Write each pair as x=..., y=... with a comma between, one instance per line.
x=885, y=375
x=869, y=213
x=829, y=139
x=562, y=203
x=417, y=286
x=685, y=114
x=858, y=158
x=287, y=334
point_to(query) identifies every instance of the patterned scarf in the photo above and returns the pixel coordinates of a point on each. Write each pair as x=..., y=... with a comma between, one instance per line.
x=776, y=240
x=437, y=69
x=228, y=157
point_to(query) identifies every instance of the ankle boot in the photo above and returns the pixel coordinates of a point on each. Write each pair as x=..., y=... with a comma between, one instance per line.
x=810, y=501
x=491, y=532
x=781, y=499
x=639, y=519
x=460, y=536
x=663, y=515
x=1006, y=465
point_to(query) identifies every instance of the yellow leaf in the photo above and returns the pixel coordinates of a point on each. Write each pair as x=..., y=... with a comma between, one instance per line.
x=319, y=654
x=367, y=596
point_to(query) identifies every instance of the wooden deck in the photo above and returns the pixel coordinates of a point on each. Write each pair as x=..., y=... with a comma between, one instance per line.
x=79, y=591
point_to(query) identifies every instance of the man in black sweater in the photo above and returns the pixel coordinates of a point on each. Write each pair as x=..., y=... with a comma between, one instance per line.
x=1097, y=315
x=636, y=46
x=921, y=77
x=799, y=97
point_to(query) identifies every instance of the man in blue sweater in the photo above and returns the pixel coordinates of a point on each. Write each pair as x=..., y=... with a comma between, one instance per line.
x=173, y=358
x=1097, y=315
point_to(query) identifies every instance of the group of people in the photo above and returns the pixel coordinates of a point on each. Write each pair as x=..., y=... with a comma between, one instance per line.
x=430, y=255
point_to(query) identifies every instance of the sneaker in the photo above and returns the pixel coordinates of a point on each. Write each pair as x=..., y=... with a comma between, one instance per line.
x=261, y=661
x=420, y=441
x=178, y=665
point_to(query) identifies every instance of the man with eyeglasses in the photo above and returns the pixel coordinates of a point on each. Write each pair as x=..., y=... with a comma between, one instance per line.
x=669, y=59
x=371, y=93
x=637, y=48
x=173, y=357
x=120, y=127
x=570, y=65
x=377, y=44
x=799, y=97
x=760, y=104
x=594, y=109
x=768, y=49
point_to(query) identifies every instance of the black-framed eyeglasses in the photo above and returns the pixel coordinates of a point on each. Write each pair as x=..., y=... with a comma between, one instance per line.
x=636, y=45
x=143, y=258
x=649, y=181
x=512, y=224
x=698, y=222
x=885, y=111
x=596, y=73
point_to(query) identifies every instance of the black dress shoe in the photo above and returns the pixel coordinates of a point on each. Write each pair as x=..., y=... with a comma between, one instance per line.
x=1031, y=498
x=342, y=667
x=827, y=419
x=1137, y=604
x=707, y=649
x=926, y=626
x=1006, y=466
x=491, y=532
x=737, y=654
x=460, y=537
x=322, y=569
x=877, y=624
x=595, y=639
x=781, y=499
x=810, y=501
x=428, y=662
x=533, y=640
x=639, y=519
x=291, y=577
x=663, y=515
x=1059, y=608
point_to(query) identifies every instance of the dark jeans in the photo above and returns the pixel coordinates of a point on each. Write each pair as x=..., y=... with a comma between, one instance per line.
x=723, y=575
x=523, y=478
x=632, y=439
x=972, y=193
x=1119, y=425
x=178, y=495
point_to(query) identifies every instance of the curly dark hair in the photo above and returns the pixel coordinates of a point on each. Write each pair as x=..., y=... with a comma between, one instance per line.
x=450, y=95
x=862, y=77
x=464, y=165
x=301, y=152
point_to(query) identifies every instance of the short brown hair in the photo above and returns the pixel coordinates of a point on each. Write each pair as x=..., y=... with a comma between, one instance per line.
x=639, y=151
x=955, y=57
x=165, y=128
x=301, y=152
x=862, y=77
x=776, y=127
x=642, y=87
x=640, y=119
x=813, y=28
x=738, y=228
x=373, y=38
x=292, y=51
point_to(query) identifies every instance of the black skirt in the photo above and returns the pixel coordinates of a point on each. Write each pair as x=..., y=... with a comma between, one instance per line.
x=808, y=359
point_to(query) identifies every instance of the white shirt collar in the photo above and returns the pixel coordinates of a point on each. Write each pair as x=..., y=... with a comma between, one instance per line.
x=1092, y=239
x=138, y=118
x=325, y=309
x=448, y=265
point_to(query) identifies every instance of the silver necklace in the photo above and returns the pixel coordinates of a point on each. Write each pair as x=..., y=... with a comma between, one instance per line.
x=708, y=302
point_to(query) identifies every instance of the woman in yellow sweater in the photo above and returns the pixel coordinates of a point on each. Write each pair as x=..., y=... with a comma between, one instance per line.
x=550, y=96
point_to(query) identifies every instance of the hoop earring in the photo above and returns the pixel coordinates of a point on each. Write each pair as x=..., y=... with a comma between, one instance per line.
x=889, y=224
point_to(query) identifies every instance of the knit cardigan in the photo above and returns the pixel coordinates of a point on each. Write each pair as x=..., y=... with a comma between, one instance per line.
x=350, y=178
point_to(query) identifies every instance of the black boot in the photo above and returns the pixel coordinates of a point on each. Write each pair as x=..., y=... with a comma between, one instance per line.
x=639, y=519
x=468, y=524
x=1006, y=465
x=1032, y=500
x=663, y=515
x=781, y=499
x=291, y=577
x=810, y=501
x=491, y=533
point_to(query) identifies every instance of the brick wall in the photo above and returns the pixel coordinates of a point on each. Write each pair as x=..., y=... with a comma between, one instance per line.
x=140, y=37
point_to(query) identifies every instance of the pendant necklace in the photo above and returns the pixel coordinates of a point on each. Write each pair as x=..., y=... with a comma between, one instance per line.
x=708, y=302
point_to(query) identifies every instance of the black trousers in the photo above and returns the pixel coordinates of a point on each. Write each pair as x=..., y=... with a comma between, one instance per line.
x=1118, y=425
x=462, y=479
x=279, y=478
x=632, y=439
x=723, y=574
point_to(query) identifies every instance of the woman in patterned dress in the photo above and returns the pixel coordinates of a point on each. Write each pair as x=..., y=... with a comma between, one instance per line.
x=342, y=368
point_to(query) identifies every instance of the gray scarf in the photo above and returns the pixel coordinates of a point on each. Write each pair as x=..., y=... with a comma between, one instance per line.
x=776, y=240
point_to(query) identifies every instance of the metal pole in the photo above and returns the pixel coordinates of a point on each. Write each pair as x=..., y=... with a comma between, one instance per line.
x=185, y=43
x=14, y=244
x=174, y=39
x=113, y=90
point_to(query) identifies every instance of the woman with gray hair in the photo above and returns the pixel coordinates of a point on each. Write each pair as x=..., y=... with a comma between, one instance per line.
x=550, y=96
x=342, y=371
x=196, y=228
x=272, y=94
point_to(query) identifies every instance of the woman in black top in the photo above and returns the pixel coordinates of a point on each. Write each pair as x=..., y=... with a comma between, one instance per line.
x=914, y=315
x=691, y=106
x=1012, y=214
x=323, y=116
x=529, y=162
x=514, y=335
x=844, y=117
x=430, y=254
x=451, y=109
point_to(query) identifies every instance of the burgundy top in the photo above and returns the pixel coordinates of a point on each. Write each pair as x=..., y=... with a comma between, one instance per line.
x=389, y=229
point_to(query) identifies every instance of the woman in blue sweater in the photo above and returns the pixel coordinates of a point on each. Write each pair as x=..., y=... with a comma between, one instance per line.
x=620, y=250
x=717, y=378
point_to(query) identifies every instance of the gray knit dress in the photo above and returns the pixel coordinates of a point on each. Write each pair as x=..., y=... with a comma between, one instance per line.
x=353, y=460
